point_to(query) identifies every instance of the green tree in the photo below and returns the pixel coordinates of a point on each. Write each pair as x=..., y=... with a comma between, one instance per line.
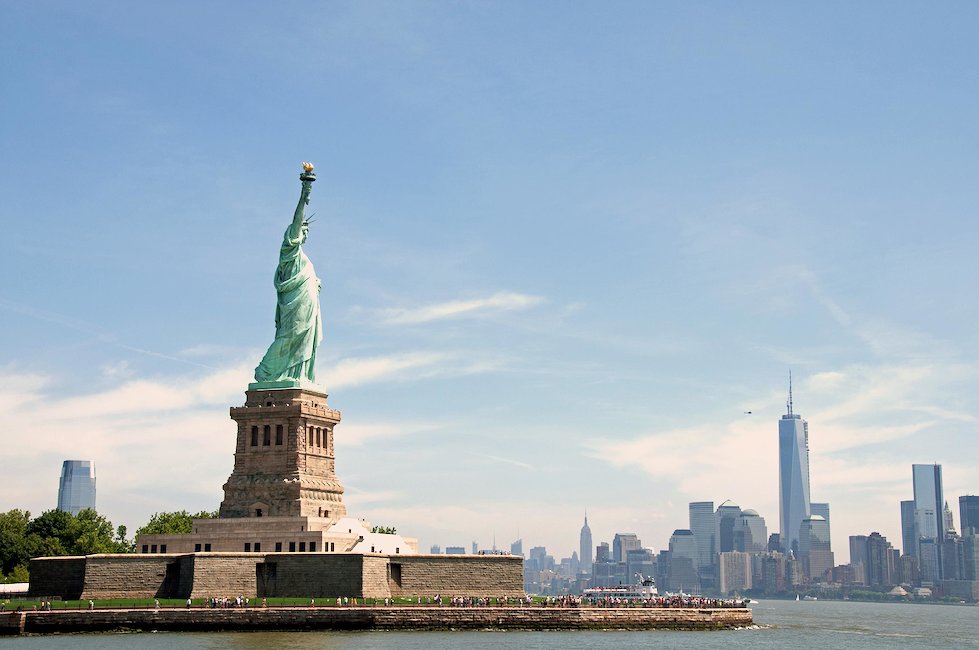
x=123, y=545
x=13, y=539
x=94, y=534
x=19, y=574
x=57, y=529
x=173, y=523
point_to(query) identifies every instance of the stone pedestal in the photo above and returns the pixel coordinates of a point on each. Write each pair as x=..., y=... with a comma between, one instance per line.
x=284, y=462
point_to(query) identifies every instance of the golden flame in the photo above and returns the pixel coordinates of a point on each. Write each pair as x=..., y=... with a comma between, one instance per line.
x=307, y=167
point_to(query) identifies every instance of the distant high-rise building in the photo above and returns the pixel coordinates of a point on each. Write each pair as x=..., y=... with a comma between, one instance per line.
x=585, y=547
x=909, y=529
x=968, y=514
x=815, y=550
x=970, y=543
x=683, y=558
x=774, y=542
x=750, y=533
x=640, y=560
x=947, y=520
x=435, y=550
x=928, y=504
x=858, y=559
x=603, y=553
x=929, y=561
x=703, y=528
x=76, y=490
x=475, y=548
x=725, y=518
x=822, y=509
x=455, y=550
x=953, y=556
x=734, y=571
x=928, y=500
x=793, y=475
x=622, y=543
x=517, y=548
x=880, y=565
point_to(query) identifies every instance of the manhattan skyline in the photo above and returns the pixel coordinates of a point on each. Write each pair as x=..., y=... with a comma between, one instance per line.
x=563, y=253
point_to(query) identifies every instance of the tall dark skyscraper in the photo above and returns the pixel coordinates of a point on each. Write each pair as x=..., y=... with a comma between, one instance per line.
x=585, y=548
x=622, y=543
x=909, y=529
x=793, y=475
x=76, y=490
x=703, y=527
x=968, y=513
x=928, y=506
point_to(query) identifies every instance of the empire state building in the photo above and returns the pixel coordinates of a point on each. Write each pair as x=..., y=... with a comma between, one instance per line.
x=585, y=548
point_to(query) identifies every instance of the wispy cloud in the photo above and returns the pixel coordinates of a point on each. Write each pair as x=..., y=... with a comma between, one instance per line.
x=503, y=301
x=361, y=370
x=87, y=328
x=356, y=371
x=506, y=461
x=355, y=433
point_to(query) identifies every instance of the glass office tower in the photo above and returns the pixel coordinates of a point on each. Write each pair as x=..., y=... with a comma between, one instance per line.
x=77, y=488
x=968, y=514
x=928, y=505
x=793, y=476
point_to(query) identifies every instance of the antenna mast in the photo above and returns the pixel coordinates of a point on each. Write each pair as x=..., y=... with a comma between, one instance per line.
x=789, y=403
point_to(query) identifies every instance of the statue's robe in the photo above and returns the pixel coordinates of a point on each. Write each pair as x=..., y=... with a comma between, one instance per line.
x=298, y=324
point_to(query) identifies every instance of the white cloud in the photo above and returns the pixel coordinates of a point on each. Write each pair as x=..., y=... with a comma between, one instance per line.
x=503, y=301
x=355, y=433
x=410, y=365
x=507, y=461
x=356, y=371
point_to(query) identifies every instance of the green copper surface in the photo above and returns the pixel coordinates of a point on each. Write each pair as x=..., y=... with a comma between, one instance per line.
x=291, y=359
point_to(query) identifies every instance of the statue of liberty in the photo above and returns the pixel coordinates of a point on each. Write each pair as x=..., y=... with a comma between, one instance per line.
x=291, y=359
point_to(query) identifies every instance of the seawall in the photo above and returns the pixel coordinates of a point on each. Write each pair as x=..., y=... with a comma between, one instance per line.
x=372, y=618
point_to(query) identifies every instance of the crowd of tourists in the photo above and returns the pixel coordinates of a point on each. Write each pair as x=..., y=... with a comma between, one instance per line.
x=664, y=601
x=670, y=600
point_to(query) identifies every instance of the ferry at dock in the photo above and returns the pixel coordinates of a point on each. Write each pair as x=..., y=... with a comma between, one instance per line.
x=645, y=590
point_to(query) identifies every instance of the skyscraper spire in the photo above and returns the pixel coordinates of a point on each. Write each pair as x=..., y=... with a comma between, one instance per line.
x=789, y=403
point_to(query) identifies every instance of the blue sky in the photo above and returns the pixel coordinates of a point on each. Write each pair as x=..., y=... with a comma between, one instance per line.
x=564, y=247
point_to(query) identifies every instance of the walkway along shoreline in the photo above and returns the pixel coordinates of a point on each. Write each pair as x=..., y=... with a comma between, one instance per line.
x=373, y=618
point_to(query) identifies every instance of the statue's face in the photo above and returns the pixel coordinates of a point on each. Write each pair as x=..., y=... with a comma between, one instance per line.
x=304, y=232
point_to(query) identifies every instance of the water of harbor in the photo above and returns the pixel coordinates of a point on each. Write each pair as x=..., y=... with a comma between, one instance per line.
x=828, y=625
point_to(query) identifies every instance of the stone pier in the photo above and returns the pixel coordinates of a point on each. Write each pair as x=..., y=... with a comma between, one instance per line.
x=374, y=618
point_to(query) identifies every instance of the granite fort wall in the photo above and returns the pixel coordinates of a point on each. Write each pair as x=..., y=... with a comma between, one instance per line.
x=314, y=575
x=475, y=575
x=131, y=576
x=383, y=618
x=221, y=574
x=57, y=576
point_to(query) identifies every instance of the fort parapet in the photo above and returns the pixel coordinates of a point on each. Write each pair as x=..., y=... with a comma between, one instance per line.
x=273, y=575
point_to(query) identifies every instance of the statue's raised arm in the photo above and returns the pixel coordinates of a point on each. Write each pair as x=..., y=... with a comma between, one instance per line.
x=290, y=360
x=299, y=218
